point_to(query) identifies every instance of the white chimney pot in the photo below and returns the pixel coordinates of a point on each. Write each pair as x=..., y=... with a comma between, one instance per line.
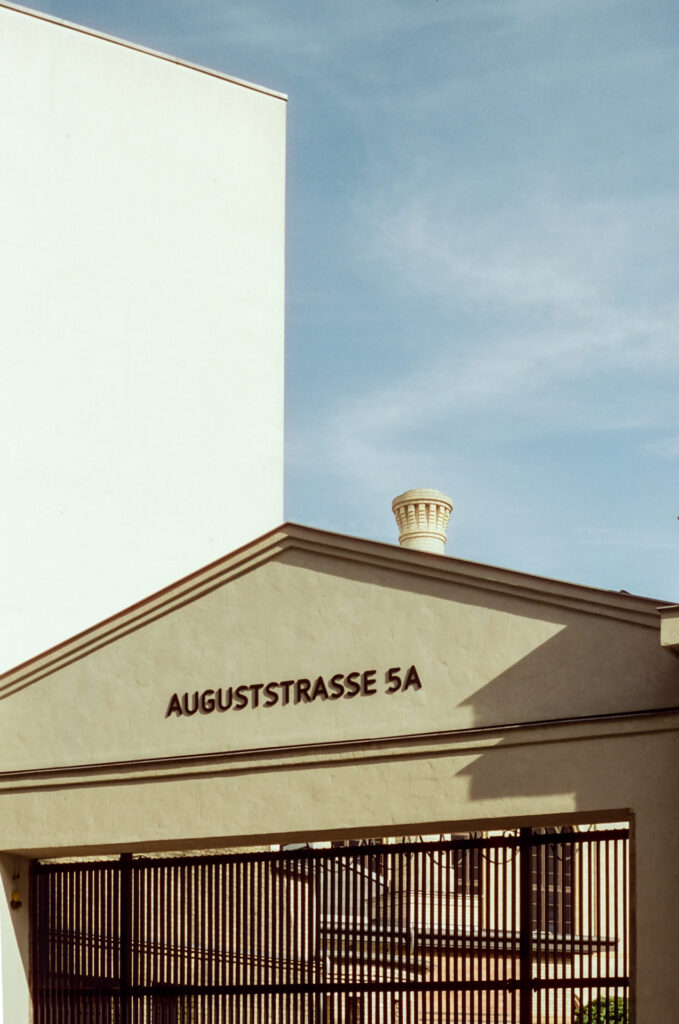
x=422, y=517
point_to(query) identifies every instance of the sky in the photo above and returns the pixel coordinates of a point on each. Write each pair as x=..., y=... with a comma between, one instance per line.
x=482, y=263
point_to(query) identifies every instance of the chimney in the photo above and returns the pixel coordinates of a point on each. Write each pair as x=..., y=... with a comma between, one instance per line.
x=422, y=517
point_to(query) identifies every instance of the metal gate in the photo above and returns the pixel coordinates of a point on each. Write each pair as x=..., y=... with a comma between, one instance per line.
x=525, y=927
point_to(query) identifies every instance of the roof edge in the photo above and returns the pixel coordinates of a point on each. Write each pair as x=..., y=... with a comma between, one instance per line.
x=641, y=611
x=103, y=37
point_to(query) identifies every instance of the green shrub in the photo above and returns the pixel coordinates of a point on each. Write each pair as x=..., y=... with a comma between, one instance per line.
x=603, y=1011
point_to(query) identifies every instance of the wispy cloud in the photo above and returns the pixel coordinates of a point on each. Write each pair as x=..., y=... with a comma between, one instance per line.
x=664, y=447
x=628, y=539
x=572, y=336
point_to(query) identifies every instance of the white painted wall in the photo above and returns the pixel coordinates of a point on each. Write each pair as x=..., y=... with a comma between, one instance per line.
x=141, y=318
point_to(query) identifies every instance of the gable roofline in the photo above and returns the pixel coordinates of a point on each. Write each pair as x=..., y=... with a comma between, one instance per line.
x=640, y=611
x=157, y=54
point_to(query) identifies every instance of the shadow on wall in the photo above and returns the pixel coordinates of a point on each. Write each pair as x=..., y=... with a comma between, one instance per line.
x=593, y=663
x=598, y=662
x=590, y=711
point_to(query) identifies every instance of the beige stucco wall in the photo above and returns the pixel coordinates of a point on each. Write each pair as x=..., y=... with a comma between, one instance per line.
x=484, y=657
x=539, y=702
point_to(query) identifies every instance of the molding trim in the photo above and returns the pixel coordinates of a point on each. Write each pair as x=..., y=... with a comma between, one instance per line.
x=638, y=611
x=453, y=742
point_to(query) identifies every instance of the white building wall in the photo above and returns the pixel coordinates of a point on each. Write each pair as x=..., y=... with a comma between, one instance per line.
x=141, y=318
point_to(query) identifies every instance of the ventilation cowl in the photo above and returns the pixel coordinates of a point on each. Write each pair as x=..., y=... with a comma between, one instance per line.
x=422, y=516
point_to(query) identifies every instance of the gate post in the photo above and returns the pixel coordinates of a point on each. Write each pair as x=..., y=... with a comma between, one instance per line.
x=525, y=951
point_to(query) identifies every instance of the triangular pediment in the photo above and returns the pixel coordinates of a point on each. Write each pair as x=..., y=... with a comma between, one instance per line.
x=309, y=638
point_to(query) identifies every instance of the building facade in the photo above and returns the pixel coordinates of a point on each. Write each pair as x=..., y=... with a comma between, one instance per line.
x=313, y=687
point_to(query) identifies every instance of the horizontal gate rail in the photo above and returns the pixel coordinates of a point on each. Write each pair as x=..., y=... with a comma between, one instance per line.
x=343, y=853
x=359, y=986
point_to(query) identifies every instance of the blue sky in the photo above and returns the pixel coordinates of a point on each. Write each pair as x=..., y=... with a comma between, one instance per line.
x=482, y=259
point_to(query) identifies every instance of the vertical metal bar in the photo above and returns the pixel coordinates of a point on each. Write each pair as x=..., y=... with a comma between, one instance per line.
x=243, y=895
x=175, y=891
x=619, y=970
x=79, y=927
x=159, y=929
x=469, y=962
x=105, y=921
x=456, y=927
x=208, y=942
x=625, y=922
x=136, y=943
x=445, y=925
x=497, y=866
x=65, y=958
x=231, y=939
x=390, y=966
x=342, y=910
x=179, y=906
x=525, y=965
x=591, y=899
x=173, y=888
x=69, y=932
x=355, y=863
x=189, y=919
x=490, y=933
x=410, y=931
x=363, y=868
x=332, y=926
x=460, y=967
x=287, y=965
x=389, y=925
x=125, y=871
x=478, y=959
x=50, y=896
x=265, y=956
x=222, y=999
x=98, y=937
x=539, y=898
x=566, y=910
x=437, y=952
x=89, y=934
x=276, y=931
x=600, y=879
x=57, y=951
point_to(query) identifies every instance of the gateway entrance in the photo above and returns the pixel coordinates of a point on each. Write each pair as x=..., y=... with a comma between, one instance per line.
x=524, y=927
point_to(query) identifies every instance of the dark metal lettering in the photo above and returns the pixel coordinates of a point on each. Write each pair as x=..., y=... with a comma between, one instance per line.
x=291, y=691
x=352, y=685
x=393, y=680
x=221, y=705
x=368, y=682
x=302, y=687
x=207, y=701
x=271, y=695
x=174, y=707
x=286, y=685
x=240, y=698
x=319, y=690
x=186, y=703
x=336, y=687
x=412, y=679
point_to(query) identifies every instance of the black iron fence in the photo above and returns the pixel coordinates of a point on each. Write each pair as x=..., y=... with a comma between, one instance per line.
x=523, y=927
